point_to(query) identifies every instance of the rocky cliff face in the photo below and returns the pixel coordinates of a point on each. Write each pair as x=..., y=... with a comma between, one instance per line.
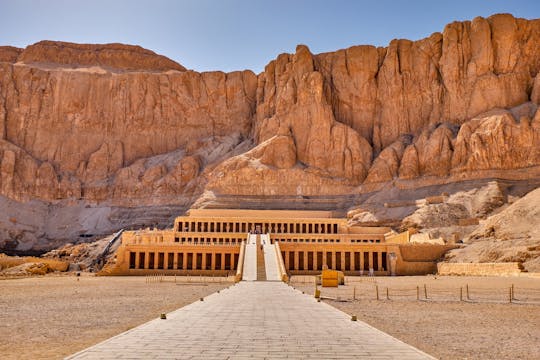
x=119, y=125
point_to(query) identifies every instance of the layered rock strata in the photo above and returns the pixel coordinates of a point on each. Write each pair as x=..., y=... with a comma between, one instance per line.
x=122, y=126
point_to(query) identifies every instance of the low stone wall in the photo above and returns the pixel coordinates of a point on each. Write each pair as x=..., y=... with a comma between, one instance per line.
x=423, y=252
x=480, y=269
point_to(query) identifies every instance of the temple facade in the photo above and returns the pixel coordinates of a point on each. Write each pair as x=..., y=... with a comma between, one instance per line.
x=212, y=241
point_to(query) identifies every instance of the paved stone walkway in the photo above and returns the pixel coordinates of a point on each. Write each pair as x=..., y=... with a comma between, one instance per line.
x=254, y=320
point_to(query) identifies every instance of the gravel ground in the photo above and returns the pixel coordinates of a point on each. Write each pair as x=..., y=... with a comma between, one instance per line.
x=54, y=316
x=486, y=327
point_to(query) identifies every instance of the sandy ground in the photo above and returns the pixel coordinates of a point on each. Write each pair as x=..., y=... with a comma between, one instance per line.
x=54, y=316
x=485, y=327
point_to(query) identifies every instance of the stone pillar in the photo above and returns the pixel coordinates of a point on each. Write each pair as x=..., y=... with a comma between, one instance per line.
x=287, y=262
x=203, y=265
x=315, y=264
x=343, y=261
x=296, y=260
x=137, y=260
x=392, y=263
x=379, y=261
x=165, y=260
x=361, y=261
x=306, y=260
x=213, y=265
x=333, y=261
x=370, y=258
x=184, y=261
x=222, y=261
x=175, y=260
x=146, y=260
x=352, y=261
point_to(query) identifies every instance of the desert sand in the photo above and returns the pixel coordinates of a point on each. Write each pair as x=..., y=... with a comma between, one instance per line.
x=485, y=327
x=53, y=316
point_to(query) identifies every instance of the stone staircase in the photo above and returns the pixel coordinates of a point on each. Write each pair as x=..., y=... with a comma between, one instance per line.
x=261, y=268
x=260, y=260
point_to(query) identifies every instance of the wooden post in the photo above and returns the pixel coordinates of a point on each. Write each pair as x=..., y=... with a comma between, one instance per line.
x=510, y=294
x=417, y=292
x=460, y=294
x=513, y=293
x=425, y=291
x=387, y=294
x=354, y=293
x=377, y=291
x=467, y=289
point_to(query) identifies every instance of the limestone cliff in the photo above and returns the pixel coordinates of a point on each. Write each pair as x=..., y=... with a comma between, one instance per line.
x=118, y=125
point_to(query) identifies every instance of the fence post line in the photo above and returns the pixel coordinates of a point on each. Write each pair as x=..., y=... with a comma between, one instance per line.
x=513, y=292
x=460, y=293
x=425, y=291
x=417, y=292
x=354, y=293
x=387, y=294
x=377, y=291
x=510, y=294
x=467, y=289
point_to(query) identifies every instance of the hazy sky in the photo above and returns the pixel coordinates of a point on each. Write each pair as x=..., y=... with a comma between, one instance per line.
x=238, y=34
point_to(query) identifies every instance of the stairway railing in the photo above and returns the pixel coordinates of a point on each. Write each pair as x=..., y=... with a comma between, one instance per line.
x=240, y=269
x=281, y=265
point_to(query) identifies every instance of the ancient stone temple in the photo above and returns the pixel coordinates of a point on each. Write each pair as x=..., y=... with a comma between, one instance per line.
x=217, y=241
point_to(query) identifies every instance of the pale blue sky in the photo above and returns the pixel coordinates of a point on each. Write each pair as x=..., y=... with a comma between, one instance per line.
x=238, y=34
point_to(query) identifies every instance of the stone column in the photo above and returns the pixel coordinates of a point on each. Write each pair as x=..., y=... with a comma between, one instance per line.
x=287, y=262
x=296, y=260
x=342, y=261
x=184, y=261
x=203, y=265
x=379, y=261
x=137, y=260
x=306, y=260
x=146, y=260
x=165, y=260
x=370, y=258
x=361, y=261
x=333, y=260
x=222, y=261
x=213, y=265
x=315, y=264
x=352, y=261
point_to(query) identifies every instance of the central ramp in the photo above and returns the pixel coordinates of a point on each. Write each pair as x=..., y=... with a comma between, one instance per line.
x=258, y=319
x=270, y=259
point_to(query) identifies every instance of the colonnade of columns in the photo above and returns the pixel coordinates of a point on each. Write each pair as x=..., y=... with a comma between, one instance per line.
x=336, y=260
x=263, y=227
x=189, y=260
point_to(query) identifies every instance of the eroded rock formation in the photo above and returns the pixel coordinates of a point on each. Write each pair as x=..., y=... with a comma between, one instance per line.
x=120, y=125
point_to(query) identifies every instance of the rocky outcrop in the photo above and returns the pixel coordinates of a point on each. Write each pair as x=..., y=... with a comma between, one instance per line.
x=115, y=56
x=511, y=235
x=121, y=125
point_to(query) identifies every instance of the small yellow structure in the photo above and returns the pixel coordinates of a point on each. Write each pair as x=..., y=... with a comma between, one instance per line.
x=329, y=278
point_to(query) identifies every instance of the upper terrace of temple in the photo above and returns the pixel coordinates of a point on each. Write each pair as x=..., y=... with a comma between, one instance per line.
x=268, y=221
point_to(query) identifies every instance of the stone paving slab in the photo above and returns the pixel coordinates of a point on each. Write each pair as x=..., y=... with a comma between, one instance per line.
x=265, y=320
